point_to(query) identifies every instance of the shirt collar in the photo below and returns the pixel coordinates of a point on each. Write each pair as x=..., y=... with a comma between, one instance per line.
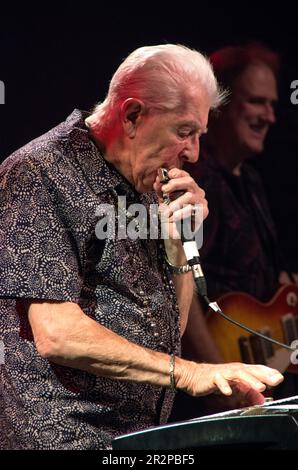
x=100, y=174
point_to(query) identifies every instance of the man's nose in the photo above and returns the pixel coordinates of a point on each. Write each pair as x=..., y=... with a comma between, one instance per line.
x=193, y=149
x=269, y=114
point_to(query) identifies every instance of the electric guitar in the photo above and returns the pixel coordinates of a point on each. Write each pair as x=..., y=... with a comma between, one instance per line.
x=277, y=318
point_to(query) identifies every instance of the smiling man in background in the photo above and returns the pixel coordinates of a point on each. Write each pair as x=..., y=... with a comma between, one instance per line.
x=240, y=250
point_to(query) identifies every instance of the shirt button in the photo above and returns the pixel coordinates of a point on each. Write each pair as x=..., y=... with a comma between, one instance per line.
x=156, y=334
x=141, y=292
x=153, y=324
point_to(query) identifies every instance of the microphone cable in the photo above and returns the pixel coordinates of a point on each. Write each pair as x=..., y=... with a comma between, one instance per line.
x=201, y=285
x=193, y=258
x=194, y=261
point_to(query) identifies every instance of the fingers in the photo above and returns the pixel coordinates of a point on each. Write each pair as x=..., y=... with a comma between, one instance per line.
x=185, y=186
x=254, y=377
x=177, y=173
x=252, y=397
x=180, y=180
x=222, y=384
x=174, y=173
x=184, y=193
x=188, y=210
x=246, y=380
x=191, y=215
x=242, y=396
x=266, y=374
x=223, y=380
x=187, y=197
x=250, y=380
x=186, y=202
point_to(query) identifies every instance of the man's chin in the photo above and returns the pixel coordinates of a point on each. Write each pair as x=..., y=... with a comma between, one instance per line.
x=145, y=186
x=254, y=148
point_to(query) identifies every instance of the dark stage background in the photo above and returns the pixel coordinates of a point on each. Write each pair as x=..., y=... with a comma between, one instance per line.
x=58, y=57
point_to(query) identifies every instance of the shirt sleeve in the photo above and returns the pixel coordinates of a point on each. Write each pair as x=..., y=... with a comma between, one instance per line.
x=38, y=255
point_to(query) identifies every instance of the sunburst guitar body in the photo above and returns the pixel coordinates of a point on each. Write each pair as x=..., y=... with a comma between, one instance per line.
x=277, y=319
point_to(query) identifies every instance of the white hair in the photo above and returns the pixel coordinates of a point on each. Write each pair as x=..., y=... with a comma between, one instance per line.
x=162, y=77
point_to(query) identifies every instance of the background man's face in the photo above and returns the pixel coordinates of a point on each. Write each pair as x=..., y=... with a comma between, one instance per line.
x=251, y=110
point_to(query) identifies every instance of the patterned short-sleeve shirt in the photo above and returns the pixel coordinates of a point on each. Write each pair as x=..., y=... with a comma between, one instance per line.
x=50, y=191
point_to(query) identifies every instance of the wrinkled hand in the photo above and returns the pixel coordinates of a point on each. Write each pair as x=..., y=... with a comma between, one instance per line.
x=242, y=396
x=246, y=381
x=184, y=194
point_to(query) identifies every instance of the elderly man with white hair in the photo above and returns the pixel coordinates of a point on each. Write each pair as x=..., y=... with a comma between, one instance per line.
x=92, y=327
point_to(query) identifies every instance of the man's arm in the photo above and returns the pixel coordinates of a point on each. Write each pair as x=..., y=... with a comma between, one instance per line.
x=184, y=284
x=65, y=335
x=197, y=342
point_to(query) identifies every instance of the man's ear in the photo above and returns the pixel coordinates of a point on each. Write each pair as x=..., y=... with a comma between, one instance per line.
x=131, y=111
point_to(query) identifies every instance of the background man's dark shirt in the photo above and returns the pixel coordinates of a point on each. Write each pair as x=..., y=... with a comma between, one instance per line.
x=239, y=250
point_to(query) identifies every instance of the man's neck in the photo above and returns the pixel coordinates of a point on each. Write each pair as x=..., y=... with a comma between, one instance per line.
x=114, y=150
x=231, y=158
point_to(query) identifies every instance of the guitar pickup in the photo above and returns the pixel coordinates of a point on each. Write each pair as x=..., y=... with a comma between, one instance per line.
x=261, y=349
x=245, y=350
x=289, y=327
x=267, y=347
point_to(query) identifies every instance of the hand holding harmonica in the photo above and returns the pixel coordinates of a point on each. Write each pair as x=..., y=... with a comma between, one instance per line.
x=180, y=198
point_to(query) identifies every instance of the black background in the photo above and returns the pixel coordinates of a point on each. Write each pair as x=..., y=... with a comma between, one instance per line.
x=55, y=57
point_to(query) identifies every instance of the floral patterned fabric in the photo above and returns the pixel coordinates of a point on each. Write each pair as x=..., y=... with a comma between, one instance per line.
x=49, y=192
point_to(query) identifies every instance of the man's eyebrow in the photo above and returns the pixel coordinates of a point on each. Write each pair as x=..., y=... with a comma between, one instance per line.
x=274, y=100
x=193, y=125
x=189, y=123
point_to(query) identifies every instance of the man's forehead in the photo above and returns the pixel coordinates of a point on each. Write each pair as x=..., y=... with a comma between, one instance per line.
x=257, y=79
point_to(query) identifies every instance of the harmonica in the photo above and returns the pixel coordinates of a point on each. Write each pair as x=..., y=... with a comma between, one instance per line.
x=164, y=178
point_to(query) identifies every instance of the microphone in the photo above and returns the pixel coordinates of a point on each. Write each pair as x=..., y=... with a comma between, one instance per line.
x=188, y=239
x=193, y=258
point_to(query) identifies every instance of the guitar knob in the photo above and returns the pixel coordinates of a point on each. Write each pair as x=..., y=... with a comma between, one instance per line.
x=292, y=299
